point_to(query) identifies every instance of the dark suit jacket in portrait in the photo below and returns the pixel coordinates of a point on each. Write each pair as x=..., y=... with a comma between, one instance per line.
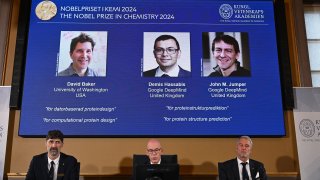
x=152, y=73
x=67, y=170
x=229, y=170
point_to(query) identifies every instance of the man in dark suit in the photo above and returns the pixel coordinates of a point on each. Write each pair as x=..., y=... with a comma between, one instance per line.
x=242, y=167
x=154, y=155
x=167, y=52
x=53, y=165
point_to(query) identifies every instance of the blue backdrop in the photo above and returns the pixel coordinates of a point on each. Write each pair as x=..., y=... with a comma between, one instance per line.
x=121, y=104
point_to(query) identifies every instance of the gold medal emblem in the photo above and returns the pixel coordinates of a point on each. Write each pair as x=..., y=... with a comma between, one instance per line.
x=46, y=10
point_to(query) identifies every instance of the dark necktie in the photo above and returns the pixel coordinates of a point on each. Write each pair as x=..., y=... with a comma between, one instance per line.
x=245, y=175
x=165, y=75
x=51, y=171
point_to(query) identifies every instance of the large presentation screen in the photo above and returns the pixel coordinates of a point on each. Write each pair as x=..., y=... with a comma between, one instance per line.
x=152, y=68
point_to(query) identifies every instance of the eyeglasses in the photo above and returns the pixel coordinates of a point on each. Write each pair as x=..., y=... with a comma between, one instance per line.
x=160, y=51
x=156, y=151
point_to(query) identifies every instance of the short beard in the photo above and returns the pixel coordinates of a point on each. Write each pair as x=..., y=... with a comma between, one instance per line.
x=54, y=152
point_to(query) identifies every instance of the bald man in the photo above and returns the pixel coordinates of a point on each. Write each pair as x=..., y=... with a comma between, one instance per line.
x=154, y=151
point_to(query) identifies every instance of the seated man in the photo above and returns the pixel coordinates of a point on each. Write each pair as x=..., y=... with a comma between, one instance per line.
x=53, y=165
x=242, y=167
x=154, y=155
x=154, y=165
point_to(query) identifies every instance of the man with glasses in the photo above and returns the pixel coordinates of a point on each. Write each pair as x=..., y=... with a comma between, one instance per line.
x=242, y=167
x=226, y=51
x=53, y=165
x=167, y=51
x=154, y=151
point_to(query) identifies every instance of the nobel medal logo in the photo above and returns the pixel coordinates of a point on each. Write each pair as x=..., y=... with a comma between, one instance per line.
x=307, y=128
x=46, y=10
x=225, y=11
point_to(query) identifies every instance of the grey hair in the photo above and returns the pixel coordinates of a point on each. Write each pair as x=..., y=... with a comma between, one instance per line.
x=247, y=138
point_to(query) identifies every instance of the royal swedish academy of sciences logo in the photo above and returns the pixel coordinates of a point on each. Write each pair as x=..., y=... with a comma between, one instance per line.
x=225, y=11
x=307, y=128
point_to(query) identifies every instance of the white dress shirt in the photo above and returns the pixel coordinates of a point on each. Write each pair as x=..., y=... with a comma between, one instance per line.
x=240, y=168
x=173, y=73
x=56, y=166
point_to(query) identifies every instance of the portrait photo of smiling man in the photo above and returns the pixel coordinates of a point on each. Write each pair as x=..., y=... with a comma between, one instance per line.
x=228, y=57
x=170, y=58
x=86, y=56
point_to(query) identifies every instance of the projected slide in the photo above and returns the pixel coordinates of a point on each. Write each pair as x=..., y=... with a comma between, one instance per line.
x=152, y=68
